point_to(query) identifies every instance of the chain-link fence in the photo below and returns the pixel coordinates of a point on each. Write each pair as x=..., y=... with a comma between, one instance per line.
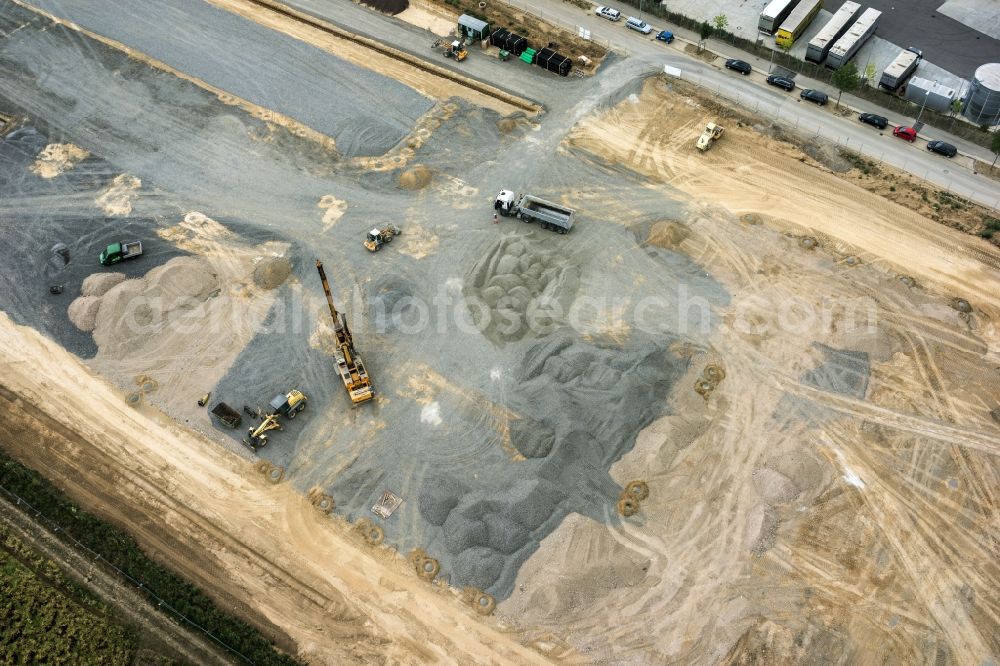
x=824, y=131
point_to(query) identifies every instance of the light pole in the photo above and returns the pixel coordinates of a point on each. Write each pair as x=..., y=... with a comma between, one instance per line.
x=927, y=93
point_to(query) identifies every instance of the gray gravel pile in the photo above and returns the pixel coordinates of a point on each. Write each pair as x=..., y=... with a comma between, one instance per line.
x=515, y=276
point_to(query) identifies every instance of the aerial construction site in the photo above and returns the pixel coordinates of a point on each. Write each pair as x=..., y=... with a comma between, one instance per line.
x=406, y=355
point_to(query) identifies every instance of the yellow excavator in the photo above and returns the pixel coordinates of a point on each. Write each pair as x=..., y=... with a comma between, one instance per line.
x=284, y=404
x=349, y=365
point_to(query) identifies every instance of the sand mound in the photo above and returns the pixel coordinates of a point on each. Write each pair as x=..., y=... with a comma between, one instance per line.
x=57, y=158
x=98, y=284
x=136, y=311
x=667, y=234
x=272, y=272
x=774, y=486
x=761, y=528
x=83, y=312
x=506, y=125
x=416, y=178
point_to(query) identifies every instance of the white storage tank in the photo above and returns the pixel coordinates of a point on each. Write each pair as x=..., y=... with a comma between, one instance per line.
x=982, y=104
x=930, y=94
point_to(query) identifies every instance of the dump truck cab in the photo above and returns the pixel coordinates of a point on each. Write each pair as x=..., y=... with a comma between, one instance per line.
x=288, y=404
x=506, y=202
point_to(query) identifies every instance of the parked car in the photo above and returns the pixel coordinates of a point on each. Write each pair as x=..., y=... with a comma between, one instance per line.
x=740, y=66
x=782, y=82
x=817, y=96
x=638, y=25
x=609, y=13
x=942, y=148
x=874, y=120
x=905, y=133
x=665, y=36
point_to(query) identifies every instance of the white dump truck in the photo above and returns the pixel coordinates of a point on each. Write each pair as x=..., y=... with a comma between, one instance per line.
x=529, y=208
x=709, y=136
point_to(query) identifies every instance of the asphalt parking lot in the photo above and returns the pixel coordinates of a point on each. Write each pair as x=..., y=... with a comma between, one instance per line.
x=944, y=41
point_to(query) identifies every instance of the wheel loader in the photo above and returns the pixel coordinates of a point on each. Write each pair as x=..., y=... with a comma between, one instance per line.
x=377, y=237
x=284, y=404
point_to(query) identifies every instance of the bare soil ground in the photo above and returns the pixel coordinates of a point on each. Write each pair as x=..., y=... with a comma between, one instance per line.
x=805, y=509
x=817, y=423
x=259, y=548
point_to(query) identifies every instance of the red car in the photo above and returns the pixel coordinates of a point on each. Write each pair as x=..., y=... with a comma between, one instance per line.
x=907, y=133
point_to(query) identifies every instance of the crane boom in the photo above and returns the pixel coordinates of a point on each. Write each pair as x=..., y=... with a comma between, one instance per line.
x=349, y=365
x=329, y=296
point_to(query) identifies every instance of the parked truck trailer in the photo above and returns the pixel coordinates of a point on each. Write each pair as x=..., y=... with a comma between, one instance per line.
x=900, y=69
x=855, y=37
x=797, y=22
x=774, y=15
x=819, y=46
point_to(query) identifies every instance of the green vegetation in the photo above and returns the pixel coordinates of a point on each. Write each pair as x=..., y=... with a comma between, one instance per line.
x=846, y=78
x=118, y=548
x=721, y=21
x=48, y=619
x=705, y=30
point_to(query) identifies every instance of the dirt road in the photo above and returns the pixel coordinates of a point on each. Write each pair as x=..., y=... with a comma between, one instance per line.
x=261, y=547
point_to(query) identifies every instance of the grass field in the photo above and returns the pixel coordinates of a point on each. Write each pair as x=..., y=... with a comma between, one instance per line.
x=47, y=618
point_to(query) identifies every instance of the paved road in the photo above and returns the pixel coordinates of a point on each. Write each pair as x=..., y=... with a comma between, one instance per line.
x=752, y=92
x=649, y=55
x=944, y=41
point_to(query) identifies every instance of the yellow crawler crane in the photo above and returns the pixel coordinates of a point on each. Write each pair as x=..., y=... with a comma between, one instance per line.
x=349, y=365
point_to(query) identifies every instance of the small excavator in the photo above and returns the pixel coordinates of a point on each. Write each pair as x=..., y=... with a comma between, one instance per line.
x=284, y=404
x=349, y=365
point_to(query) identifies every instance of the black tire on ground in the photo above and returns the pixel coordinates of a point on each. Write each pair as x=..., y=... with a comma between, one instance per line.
x=292, y=413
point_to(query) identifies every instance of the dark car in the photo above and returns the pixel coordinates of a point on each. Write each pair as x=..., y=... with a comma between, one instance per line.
x=817, y=96
x=942, y=148
x=880, y=122
x=743, y=68
x=782, y=82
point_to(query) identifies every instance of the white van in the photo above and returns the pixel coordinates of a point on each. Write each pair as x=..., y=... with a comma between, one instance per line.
x=609, y=13
x=638, y=25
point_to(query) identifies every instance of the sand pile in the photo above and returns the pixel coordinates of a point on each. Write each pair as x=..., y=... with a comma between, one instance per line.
x=117, y=198
x=667, y=234
x=83, y=312
x=56, y=158
x=774, y=486
x=271, y=272
x=513, y=278
x=98, y=284
x=132, y=312
x=416, y=178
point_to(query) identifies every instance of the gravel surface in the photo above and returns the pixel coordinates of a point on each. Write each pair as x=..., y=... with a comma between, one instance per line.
x=365, y=113
x=490, y=438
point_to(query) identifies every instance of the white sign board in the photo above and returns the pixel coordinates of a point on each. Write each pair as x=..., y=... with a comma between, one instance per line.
x=672, y=71
x=582, y=32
